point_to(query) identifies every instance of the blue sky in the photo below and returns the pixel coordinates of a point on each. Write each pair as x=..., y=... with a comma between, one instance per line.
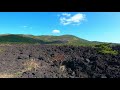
x=93, y=26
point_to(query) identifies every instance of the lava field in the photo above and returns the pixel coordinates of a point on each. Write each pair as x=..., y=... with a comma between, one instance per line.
x=50, y=61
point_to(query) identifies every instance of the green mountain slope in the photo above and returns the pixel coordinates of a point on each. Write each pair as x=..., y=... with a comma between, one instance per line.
x=45, y=39
x=18, y=39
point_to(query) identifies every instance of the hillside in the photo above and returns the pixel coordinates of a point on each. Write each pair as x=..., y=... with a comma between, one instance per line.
x=44, y=39
x=25, y=56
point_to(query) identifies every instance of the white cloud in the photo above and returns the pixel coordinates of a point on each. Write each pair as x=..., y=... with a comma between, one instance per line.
x=56, y=31
x=75, y=19
x=66, y=14
x=25, y=26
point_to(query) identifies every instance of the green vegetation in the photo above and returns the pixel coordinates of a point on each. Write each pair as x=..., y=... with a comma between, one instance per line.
x=9, y=39
x=46, y=39
x=106, y=49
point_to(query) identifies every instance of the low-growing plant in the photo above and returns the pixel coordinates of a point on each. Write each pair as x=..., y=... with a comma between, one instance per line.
x=30, y=65
x=106, y=49
x=6, y=75
x=2, y=50
x=109, y=52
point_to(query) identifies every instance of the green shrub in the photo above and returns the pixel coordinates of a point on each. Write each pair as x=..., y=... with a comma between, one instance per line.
x=109, y=52
x=106, y=49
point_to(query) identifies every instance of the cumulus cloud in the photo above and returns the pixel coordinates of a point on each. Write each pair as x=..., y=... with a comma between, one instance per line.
x=76, y=19
x=66, y=14
x=56, y=31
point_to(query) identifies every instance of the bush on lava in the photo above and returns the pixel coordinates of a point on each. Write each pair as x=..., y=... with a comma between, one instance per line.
x=106, y=49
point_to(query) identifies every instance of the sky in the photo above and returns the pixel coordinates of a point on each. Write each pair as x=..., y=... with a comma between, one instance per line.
x=92, y=26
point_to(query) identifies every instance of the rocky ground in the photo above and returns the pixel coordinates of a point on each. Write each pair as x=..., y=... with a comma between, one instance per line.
x=46, y=61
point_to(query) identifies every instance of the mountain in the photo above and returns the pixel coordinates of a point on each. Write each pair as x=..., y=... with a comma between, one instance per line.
x=45, y=39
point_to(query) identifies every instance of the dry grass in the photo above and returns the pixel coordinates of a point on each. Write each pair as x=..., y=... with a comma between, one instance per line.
x=30, y=65
x=5, y=45
x=2, y=50
x=6, y=75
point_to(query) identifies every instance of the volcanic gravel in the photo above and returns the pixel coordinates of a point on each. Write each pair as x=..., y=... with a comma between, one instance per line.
x=60, y=61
